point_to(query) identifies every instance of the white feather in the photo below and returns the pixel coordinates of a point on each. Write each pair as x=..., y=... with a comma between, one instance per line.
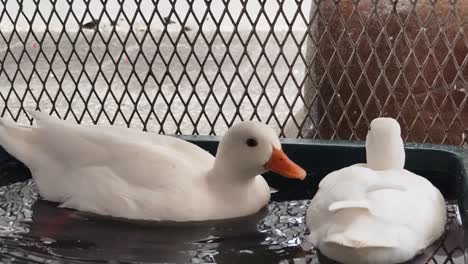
x=376, y=212
x=138, y=175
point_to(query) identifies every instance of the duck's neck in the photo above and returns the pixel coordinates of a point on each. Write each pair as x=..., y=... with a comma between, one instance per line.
x=229, y=167
x=385, y=154
x=227, y=171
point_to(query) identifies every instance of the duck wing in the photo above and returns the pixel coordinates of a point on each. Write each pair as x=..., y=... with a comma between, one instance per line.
x=359, y=229
x=134, y=156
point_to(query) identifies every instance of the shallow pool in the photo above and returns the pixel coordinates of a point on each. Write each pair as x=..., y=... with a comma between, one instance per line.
x=36, y=231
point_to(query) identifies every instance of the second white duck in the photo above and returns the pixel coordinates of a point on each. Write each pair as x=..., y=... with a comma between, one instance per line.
x=376, y=212
x=137, y=175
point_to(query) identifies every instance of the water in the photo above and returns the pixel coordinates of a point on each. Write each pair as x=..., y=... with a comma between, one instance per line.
x=36, y=231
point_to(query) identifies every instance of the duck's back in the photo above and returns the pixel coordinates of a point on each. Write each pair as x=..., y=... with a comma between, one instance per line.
x=73, y=163
x=378, y=224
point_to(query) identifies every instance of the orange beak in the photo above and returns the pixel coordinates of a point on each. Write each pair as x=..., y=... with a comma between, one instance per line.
x=281, y=164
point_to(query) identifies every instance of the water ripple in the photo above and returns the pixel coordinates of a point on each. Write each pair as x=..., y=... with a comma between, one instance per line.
x=35, y=231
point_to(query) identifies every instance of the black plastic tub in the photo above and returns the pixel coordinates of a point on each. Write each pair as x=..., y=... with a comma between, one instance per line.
x=445, y=166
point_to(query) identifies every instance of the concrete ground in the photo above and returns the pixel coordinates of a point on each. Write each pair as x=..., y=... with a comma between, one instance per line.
x=158, y=95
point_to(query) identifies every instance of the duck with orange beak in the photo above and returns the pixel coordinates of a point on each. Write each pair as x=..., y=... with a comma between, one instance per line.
x=133, y=174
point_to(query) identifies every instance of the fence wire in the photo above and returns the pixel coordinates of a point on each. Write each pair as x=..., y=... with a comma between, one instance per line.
x=309, y=68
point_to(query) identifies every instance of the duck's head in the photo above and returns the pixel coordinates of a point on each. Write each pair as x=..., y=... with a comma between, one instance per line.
x=385, y=126
x=384, y=145
x=251, y=148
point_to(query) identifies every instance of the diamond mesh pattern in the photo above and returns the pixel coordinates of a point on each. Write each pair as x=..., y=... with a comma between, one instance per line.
x=309, y=68
x=405, y=59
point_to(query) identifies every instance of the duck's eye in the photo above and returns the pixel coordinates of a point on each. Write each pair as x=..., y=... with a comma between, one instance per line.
x=251, y=142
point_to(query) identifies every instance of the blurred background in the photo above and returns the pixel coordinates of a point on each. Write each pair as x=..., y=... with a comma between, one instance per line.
x=309, y=68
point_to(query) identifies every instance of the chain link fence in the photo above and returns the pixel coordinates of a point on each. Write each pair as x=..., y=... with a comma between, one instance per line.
x=309, y=68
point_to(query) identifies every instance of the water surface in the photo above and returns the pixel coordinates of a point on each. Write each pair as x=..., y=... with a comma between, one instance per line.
x=36, y=231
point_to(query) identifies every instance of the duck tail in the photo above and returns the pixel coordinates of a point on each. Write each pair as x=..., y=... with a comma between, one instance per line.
x=4, y=127
x=38, y=115
x=15, y=139
x=4, y=124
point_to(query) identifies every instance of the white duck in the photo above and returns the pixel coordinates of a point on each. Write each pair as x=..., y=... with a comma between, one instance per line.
x=137, y=175
x=376, y=212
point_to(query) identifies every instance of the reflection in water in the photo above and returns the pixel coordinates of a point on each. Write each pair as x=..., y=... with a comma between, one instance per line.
x=37, y=230
x=33, y=230
x=16, y=202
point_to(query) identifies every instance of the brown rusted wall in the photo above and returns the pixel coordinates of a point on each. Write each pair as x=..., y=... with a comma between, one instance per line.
x=413, y=58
